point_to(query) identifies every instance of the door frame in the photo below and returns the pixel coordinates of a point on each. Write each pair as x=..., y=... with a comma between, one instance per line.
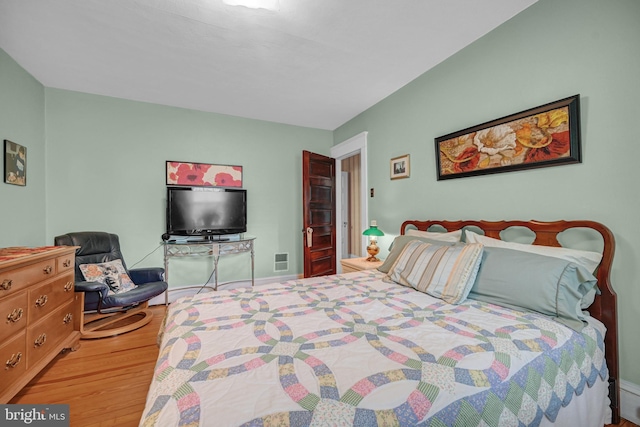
x=354, y=145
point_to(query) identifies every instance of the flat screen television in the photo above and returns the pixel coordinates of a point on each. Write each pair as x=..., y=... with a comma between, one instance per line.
x=206, y=212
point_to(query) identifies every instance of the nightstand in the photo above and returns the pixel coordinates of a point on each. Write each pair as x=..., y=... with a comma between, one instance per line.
x=349, y=265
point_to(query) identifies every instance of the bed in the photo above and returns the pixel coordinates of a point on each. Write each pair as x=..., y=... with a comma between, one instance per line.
x=403, y=347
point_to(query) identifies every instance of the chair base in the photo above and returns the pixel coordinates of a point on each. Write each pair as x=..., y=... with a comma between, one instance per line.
x=101, y=325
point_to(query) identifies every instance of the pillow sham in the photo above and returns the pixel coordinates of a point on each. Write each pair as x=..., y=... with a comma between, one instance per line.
x=398, y=245
x=445, y=272
x=112, y=274
x=451, y=236
x=526, y=281
x=587, y=259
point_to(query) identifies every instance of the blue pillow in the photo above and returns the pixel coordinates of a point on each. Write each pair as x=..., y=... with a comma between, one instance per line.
x=525, y=281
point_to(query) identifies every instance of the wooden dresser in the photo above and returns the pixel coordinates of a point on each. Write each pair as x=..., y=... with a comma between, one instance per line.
x=39, y=314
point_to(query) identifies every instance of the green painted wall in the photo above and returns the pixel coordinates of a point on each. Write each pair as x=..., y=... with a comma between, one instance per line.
x=106, y=171
x=552, y=50
x=22, y=209
x=102, y=165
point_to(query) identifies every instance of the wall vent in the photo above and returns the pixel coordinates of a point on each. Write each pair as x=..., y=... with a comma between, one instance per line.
x=281, y=262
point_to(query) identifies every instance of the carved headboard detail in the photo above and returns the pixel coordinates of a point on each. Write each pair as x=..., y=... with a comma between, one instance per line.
x=604, y=308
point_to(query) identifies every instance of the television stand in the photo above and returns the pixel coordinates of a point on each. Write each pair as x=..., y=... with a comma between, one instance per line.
x=209, y=248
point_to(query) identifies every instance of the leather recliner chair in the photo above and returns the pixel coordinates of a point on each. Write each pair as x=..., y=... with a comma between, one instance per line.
x=103, y=309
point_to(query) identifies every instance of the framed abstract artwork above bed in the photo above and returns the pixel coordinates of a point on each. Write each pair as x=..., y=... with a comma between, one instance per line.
x=547, y=135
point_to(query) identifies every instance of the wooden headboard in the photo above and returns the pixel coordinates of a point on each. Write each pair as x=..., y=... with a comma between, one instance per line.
x=604, y=308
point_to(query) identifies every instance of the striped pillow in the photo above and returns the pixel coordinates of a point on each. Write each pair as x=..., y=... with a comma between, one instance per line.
x=445, y=272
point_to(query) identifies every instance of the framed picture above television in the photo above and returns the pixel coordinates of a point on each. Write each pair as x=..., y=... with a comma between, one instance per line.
x=203, y=174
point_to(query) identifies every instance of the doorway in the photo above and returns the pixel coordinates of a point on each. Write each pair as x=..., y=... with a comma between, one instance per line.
x=351, y=205
x=351, y=157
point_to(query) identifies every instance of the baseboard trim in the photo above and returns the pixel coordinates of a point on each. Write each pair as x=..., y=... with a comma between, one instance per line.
x=184, y=291
x=630, y=401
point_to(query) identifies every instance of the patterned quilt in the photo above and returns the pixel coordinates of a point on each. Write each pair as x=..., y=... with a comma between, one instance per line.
x=354, y=349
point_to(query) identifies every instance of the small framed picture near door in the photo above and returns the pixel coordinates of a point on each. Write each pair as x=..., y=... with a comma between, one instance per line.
x=15, y=163
x=400, y=167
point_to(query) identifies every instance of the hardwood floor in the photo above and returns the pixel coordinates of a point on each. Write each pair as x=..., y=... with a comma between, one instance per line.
x=105, y=381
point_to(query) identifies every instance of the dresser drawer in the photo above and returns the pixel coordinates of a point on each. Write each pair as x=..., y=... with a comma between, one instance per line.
x=49, y=296
x=46, y=334
x=13, y=314
x=65, y=263
x=19, y=278
x=13, y=359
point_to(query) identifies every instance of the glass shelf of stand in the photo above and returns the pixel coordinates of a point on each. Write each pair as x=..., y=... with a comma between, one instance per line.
x=215, y=248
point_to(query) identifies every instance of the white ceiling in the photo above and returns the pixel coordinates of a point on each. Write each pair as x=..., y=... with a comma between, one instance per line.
x=315, y=63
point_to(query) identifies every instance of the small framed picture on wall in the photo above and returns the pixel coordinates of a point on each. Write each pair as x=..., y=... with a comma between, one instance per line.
x=15, y=163
x=400, y=167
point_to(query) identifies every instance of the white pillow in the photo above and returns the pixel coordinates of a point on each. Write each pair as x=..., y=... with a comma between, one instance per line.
x=587, y=259
x=452, y=236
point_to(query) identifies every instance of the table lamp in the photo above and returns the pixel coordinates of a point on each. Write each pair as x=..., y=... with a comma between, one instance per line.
x=373, y=232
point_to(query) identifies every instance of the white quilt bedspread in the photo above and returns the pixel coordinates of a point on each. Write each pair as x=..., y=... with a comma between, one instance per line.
x=353, y=349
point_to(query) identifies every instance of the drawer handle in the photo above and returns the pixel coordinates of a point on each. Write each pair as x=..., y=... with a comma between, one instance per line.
x=67, y=319
x=68, y=286
x=6, y=284
x=66, y=263
x=47, y=269
x=14, y=360
x=42, y=300
x=15, y=315
x=39, y=342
